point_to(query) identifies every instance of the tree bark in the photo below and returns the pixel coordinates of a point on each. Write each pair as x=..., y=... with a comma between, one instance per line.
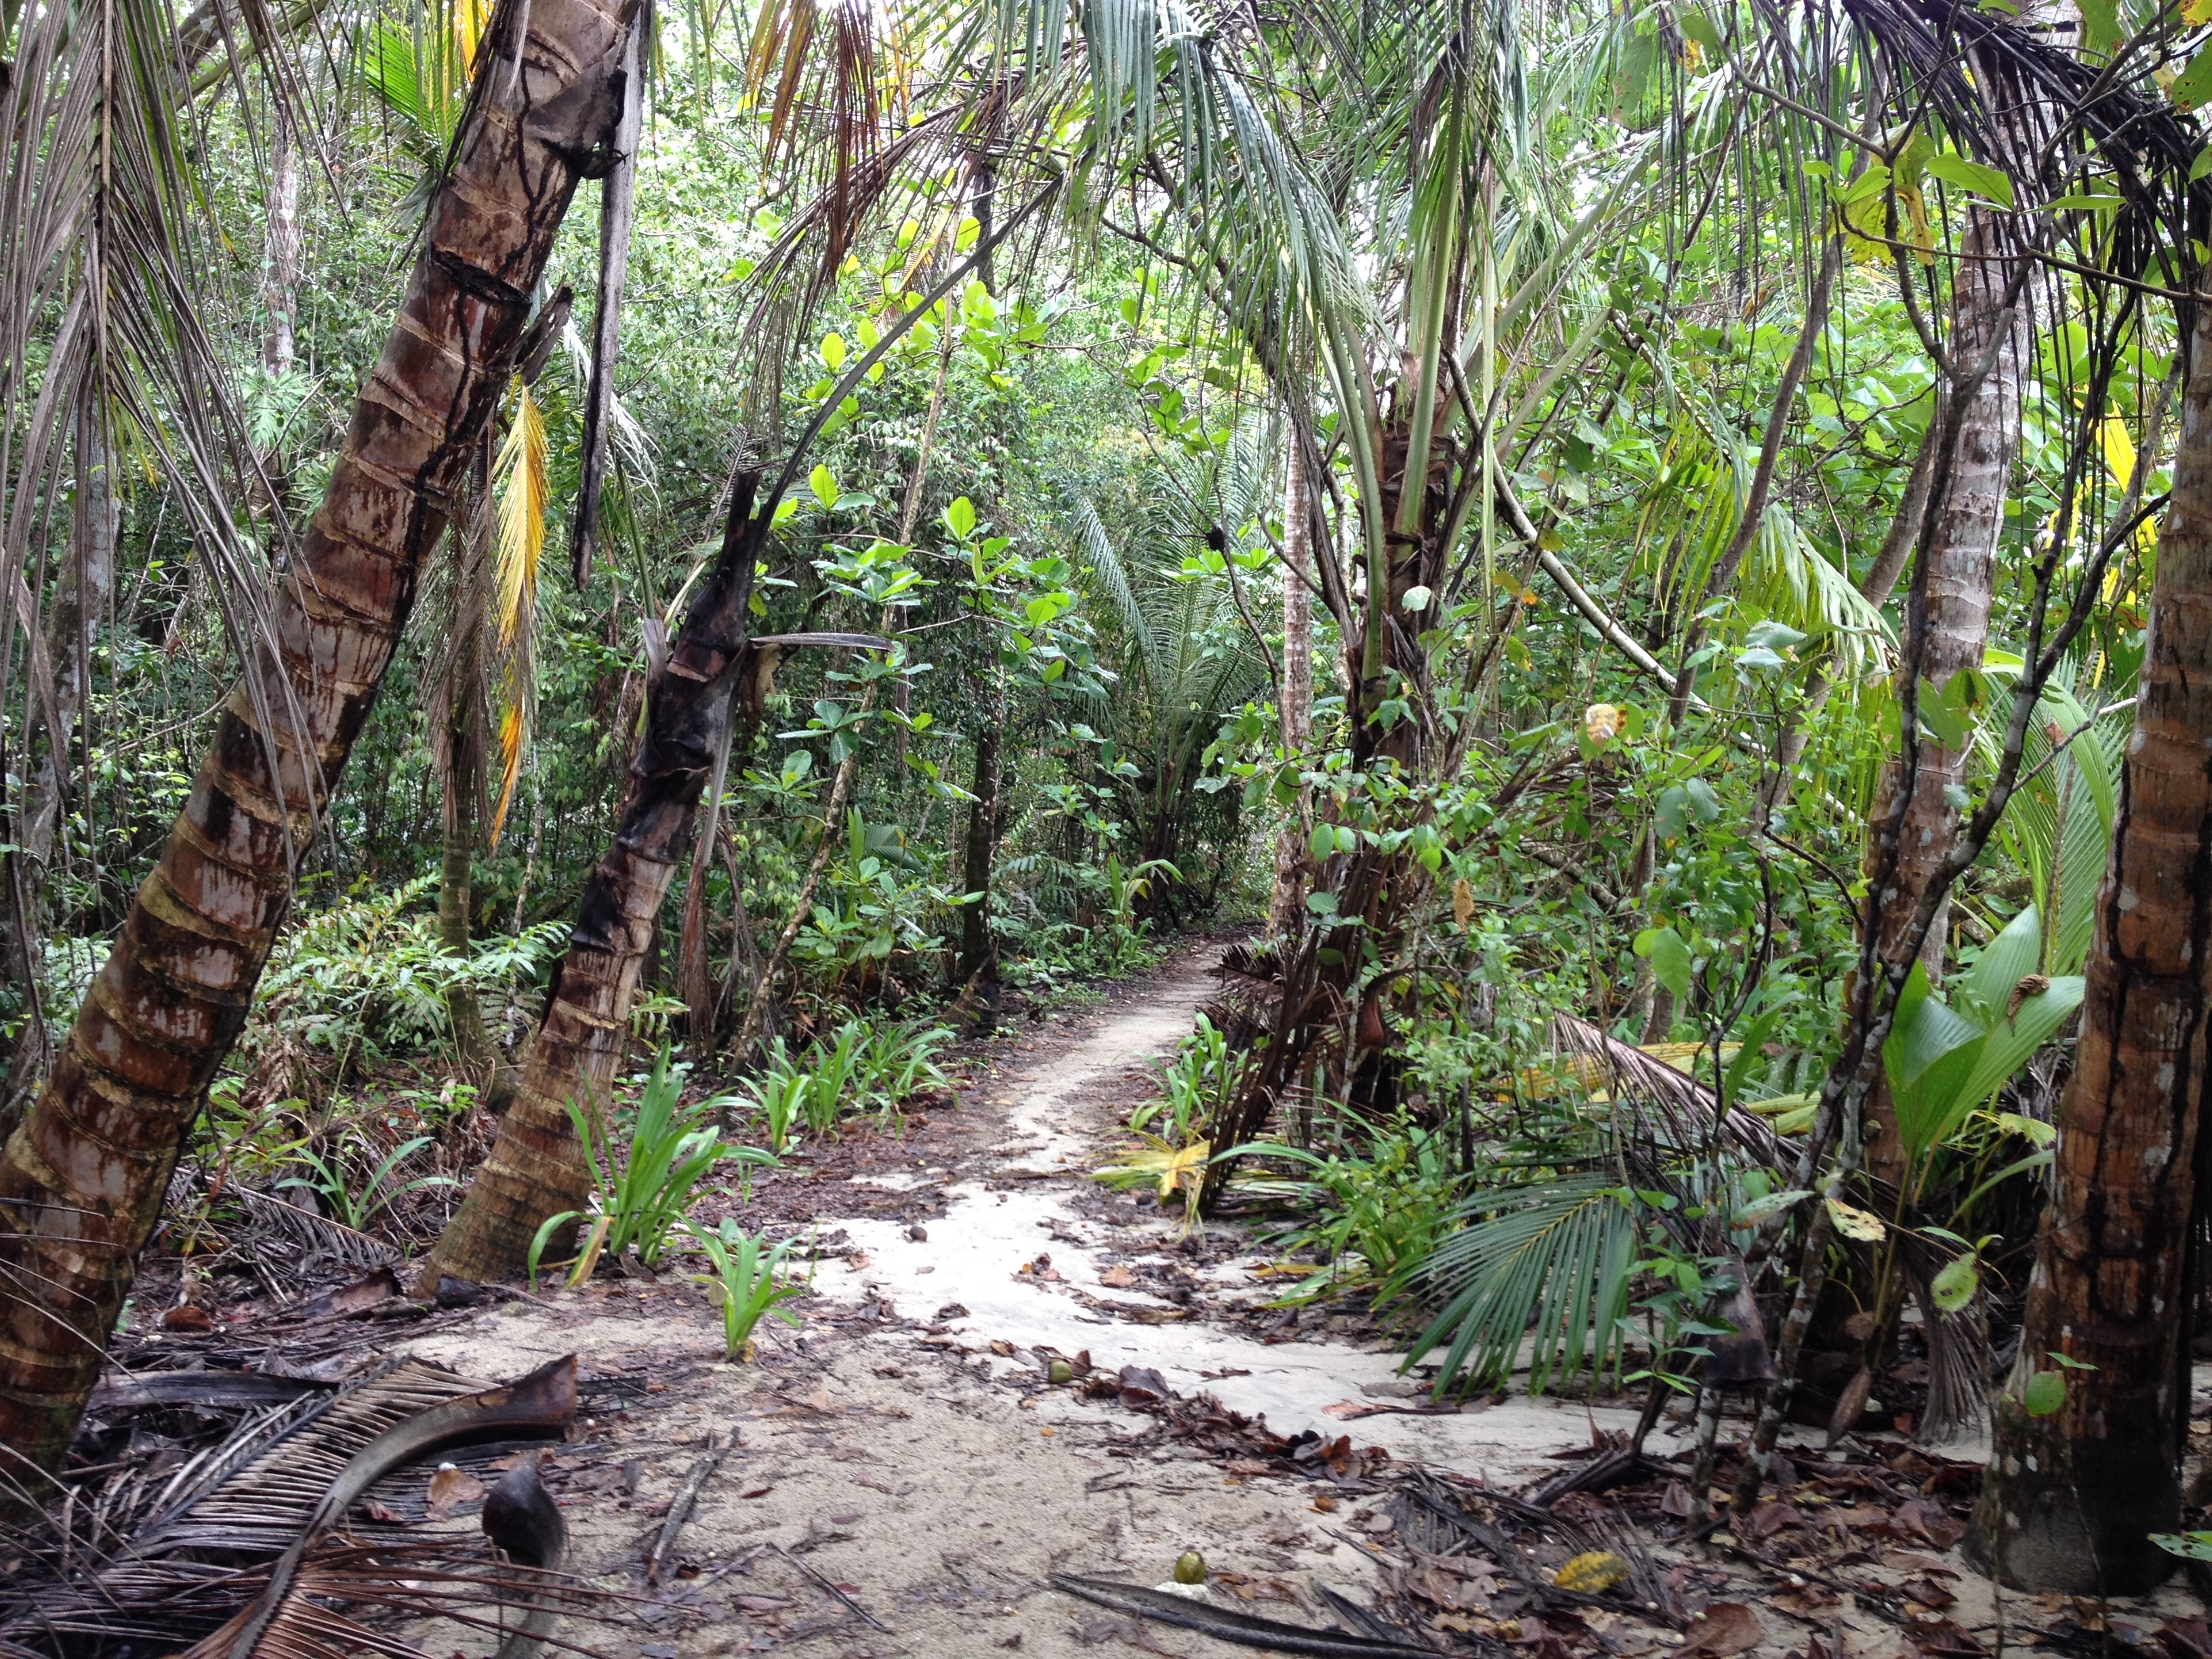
x=537, y=1167
x=1286, y=908
x=1961, y=570
x=82, y=1180
x=280, y=255
x=461, y=748
x=2070, y=1498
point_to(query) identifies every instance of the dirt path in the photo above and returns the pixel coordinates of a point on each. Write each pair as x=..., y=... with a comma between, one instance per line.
x=906, y=1442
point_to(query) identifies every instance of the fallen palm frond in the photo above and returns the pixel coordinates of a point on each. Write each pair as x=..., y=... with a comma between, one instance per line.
x=1541, y=1270
x=245, y=1535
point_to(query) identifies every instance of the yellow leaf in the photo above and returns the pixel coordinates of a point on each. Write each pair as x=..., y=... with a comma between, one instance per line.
x=1462, y=901
x=1591, y=1573
x=2112, y=435
x=2197, y=12
x=1600, y=722
x=519, y=477
x=1855, y=1222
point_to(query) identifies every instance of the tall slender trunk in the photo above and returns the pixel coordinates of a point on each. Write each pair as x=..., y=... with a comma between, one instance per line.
x=280, y=246
x=2071, y=1497
x=461, y=751
x=1961, y=570
x=979, y=957
x=1286, y=908
x=82, y=1180
x=537, y=1167
x=88, y=583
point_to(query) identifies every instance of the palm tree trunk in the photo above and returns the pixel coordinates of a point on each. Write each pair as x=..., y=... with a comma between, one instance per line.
x=1961, y=568
x=2071, y=1497
x=1286, y=908
x=461, y=749
x=82, y=1182
x=537, y=1167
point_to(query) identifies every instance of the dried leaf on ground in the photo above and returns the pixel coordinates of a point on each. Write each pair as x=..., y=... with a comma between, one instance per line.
x=1722, y=1631
x=450, y=1488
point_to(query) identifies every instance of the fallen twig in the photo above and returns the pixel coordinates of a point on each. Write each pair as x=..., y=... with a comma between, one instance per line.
x=824, y=1580
x=679, y=1509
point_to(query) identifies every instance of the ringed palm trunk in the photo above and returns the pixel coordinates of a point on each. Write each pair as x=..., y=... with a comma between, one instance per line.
x=2071, y=1497
x=82, y=1180
x=537, y=1167
x=1962, y=571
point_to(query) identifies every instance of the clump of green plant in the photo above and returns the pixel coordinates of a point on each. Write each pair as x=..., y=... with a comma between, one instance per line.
x=1379, y=1212
x=853, y=1071
x=360, y=1207
x=1194, y=1086
x=745, y=1283
x=671, y=1148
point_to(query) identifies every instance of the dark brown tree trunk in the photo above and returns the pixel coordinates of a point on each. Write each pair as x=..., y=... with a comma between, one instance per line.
x=1961, y=569
x=460, y=751
x=537, y=1167
x=2072, y=1496
x=82, y=1180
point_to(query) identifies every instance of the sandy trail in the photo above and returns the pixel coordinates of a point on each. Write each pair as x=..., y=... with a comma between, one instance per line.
x=939, y=1480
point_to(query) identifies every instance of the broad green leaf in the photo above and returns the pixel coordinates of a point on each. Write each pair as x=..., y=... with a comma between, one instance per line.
x=2045, y=1394
x=1954, y=1286
x=824, y=486
x=1973, y=176
x=1670, y=959
x=960, y=518
x=833, y=350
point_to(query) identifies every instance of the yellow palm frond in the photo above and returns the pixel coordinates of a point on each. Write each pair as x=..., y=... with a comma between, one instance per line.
x=519, y=481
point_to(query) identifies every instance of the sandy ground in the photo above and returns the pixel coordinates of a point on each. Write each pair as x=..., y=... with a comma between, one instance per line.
x=906, y=1446
x=938, y=1485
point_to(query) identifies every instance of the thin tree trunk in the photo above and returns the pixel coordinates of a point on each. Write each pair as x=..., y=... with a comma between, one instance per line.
x=2071, y=1497
x=1286, y=908
x=280, y=260
x=1961, y=569
x=461, y=751
x=978, y=954
x=537, y=1167
x=86, y=586
x=82, y=1182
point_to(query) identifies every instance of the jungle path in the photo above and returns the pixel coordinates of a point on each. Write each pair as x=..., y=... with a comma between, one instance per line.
x=906, y=1441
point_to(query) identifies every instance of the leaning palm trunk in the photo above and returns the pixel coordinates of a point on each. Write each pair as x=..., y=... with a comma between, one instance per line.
x=537, y=1167
x=2073, y=1495
x=82, y=1182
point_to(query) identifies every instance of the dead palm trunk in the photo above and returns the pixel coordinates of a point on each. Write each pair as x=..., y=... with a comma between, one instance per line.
x=537, y=1167
x=82, y=1182
x=1286, y=908
x=1961, y=570
x=2072, y=1496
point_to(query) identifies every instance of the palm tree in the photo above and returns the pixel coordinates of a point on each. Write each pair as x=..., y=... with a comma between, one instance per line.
x=82, y=1184
x=2085, y=1464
